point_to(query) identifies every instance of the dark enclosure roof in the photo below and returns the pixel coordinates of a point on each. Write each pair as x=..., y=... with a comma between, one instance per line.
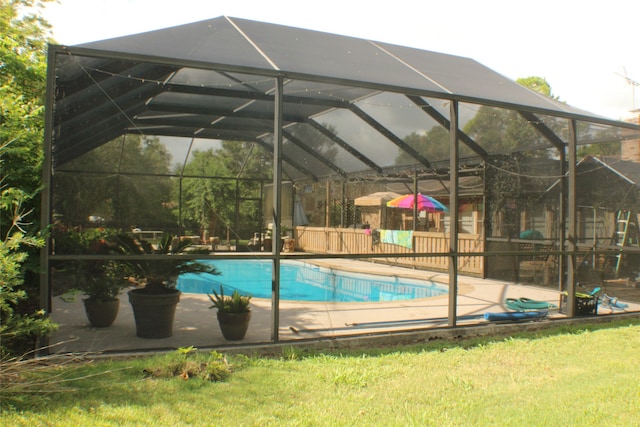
x=214, y=79
x=626, y=170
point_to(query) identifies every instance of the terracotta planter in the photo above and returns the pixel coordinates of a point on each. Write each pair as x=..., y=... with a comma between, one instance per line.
x=289, y=245
x=234, y=325
x=101, y=313
x=154, y=313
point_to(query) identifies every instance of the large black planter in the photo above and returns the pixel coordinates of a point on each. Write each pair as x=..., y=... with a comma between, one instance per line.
x=234, y=325
x=101, y=313
x=154, y=313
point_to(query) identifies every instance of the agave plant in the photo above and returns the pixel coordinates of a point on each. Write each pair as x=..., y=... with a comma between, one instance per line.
x=236, y=303
x=160, y=274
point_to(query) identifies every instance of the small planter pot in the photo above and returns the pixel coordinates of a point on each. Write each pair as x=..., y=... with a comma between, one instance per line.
x=289, y=245
x=234, y=325
x=154, y=313
x=101, y=313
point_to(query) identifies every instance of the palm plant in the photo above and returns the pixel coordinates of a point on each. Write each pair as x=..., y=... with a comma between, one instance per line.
x=161, y=274
x=154, y=305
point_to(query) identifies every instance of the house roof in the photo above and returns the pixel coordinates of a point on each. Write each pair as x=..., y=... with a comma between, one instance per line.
x=626, y=170
x=468, y=186
x=605, y=181
x=215, y=80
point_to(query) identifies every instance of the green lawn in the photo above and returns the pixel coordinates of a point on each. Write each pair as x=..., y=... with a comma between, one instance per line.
x=571, y=376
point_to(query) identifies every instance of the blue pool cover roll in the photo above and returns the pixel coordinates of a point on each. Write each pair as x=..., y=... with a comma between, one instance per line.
x=516, y=315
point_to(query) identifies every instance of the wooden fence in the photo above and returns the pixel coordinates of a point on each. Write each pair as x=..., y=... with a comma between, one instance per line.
x=345, y=241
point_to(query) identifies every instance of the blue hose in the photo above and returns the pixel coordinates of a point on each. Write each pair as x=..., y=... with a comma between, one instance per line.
x=518, y=315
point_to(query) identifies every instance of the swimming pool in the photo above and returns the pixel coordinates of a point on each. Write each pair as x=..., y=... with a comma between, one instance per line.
x=301, y=281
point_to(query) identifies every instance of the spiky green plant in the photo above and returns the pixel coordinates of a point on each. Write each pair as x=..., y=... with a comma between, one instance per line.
x=160, y=274
x=235, y=303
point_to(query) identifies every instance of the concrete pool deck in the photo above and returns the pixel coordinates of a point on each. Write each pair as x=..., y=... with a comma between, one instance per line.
x=196, y=324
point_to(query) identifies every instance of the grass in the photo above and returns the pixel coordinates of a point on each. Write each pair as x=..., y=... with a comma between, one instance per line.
x=570, y=376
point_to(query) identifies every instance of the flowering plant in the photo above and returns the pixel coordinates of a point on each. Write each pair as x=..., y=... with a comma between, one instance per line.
x=100, y=279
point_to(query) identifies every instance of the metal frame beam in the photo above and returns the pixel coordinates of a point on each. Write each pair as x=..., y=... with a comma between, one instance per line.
x=313, y=153
x=444, y=122
x=389, y=135
x=348, y=148
x=544, y=130
x=287, y=159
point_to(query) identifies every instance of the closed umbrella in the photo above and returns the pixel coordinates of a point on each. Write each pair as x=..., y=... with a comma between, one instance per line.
x=299, y=217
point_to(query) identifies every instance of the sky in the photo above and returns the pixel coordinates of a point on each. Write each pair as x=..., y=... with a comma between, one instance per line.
x=588, y=51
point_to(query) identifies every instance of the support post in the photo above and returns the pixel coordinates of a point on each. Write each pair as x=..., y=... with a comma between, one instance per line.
x=415, y=201
x=42, y=346
x=277, y=208
x=453, y=212
x=572, y=212
x=343, y=210
x=562, y=220
x=327, y=210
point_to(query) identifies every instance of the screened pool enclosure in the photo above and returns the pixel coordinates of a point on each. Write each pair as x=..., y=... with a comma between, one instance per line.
x=257, y=141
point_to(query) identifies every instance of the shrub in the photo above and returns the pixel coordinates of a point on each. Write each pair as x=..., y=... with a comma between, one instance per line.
x=18, y=330
x=187, y=363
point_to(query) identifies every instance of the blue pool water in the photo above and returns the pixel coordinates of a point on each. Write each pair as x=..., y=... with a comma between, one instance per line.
x=300, y=281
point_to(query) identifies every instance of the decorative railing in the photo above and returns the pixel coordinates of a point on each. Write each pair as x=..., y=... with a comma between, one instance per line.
x=323, y=240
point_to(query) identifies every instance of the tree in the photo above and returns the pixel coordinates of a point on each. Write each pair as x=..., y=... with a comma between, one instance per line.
x=213, y=179
x=537, y=84
x=612, y=146
x=123, y=182
x=502, y=131
x=19, y=323
x=246, y=160
x=251, y=164
x=22, y=82
x=520, y=158
x=434, y=145
x=497, y=130
x=207, y=201
x=315, y=140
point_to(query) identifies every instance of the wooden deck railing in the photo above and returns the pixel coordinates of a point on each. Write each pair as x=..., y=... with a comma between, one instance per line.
x=323, y=240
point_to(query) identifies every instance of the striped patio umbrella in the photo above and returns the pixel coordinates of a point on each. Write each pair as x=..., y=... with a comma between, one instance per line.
x=425, y=203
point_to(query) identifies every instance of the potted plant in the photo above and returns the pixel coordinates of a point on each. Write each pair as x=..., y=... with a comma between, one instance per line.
x=99, y=280
x=154, y=304
x=288, y=242
x=102, y=284
x=234, y=313
x=282, y=242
